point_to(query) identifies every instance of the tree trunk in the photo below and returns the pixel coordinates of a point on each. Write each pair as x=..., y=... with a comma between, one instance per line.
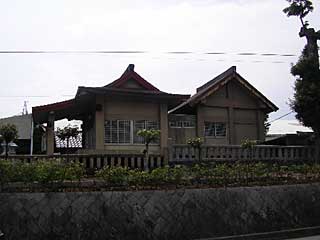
x=146, y=165
x=7, y=150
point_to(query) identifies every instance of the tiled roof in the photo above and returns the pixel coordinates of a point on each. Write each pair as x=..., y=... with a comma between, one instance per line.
x=73, y=142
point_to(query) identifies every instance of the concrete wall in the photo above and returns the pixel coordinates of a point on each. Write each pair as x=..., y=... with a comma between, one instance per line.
x=175, y=214
x=238, y=108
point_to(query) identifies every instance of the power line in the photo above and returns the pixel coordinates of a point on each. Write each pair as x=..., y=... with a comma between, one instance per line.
x=140, y=52
x=281, y=117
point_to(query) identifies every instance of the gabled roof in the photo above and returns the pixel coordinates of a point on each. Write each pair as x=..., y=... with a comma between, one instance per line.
x=130, y=74
x=118, y=88
x=218, y=82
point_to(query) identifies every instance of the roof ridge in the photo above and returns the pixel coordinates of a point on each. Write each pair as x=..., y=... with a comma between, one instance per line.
x=224, y=76
x=128, y=74
x=232, y=69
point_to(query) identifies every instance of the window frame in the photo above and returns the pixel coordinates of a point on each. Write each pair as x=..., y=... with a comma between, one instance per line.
x=215, y=130
x=182, y=121
x=132, y=132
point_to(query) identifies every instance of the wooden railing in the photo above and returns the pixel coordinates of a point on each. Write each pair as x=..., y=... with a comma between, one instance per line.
x=97, y=161
x=183, y=154
x=229, y=153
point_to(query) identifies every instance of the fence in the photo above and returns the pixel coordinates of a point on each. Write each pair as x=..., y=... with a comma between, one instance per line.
x=184, y=154
x=229, y=153
x=98, y=161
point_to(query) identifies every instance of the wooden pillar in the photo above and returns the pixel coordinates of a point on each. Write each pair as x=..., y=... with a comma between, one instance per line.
x=99, y=123
x=164, y=128
x=260, y=125
x=50, y=134
x=231, y=129
x=200, y=123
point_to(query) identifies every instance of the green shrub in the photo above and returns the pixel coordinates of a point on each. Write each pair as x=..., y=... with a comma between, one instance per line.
x=114, y=175
x=137, y=177
x=160, y=176
x=179, y=175
x=40, y=171
x=6, y=171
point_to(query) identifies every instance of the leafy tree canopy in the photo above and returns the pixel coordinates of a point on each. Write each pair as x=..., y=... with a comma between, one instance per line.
x=299, y=8
x=306, y=101
x=8, y=132
x=149, y=135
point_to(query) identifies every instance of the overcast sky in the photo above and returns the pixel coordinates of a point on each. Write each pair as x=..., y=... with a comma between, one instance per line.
x=156, y=27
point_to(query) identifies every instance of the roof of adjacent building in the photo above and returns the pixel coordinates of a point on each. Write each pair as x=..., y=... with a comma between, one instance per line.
x=23, y=124
x=74, y=142
x=287, y=126
x=218, y=82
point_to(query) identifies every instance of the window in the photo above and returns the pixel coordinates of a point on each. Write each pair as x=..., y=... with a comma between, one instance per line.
x=213, y=129
x=143, y=124
x=117, y=131
x=125, y=131
x=182, y=121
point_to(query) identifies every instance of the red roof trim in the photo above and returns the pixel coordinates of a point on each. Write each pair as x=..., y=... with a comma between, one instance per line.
x=54, y=106
x=133, y=75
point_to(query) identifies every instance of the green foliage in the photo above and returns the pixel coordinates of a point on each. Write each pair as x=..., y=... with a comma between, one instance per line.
x=195, y=142
x=114, y=175
x=248, y=144
x=306, y=102
x=42, y=171
x=8, y=134
x=266, y=124
x=299, y=8
x=67, y=132
x=120, y=176
x=149, y=135
x=235, y=174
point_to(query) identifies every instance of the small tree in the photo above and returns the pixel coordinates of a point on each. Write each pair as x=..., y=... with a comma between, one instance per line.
x=67, y=133
x=148, y=136
x=196, y=143
x=249, y=145
x=8, y=134
x=266, y=124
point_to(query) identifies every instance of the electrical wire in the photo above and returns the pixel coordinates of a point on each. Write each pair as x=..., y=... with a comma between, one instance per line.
x=139, y=52
x=281, y=117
